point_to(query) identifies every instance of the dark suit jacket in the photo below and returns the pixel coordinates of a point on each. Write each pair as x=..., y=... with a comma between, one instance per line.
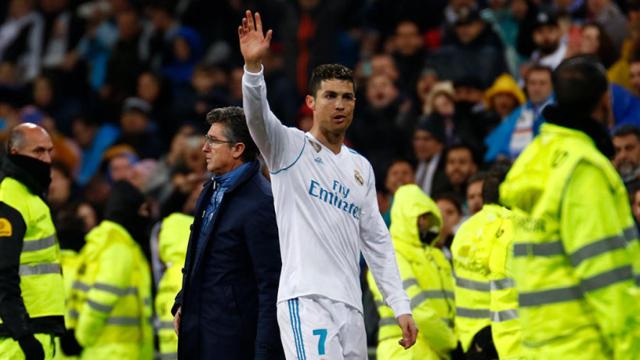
x=230, y=286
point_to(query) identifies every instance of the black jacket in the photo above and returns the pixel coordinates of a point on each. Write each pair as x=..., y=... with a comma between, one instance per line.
x=230, y=287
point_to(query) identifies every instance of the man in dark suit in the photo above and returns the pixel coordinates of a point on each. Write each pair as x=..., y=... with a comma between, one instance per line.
x=428, y=148
x=227, y=306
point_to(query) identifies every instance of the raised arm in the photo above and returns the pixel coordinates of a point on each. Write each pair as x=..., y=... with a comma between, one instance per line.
x=279, y=145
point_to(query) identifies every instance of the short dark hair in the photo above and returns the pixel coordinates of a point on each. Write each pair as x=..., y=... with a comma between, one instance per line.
x=579, y=83
x=452, y=198
x=462, y=146
x=494, y=177
x=538, y=68
x=479, y=176
x=627, y=129
x=235, y=129
x=329, y=72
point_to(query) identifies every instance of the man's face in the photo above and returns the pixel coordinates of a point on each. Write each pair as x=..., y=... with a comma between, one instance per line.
x=221, y=154
x=133, y=122
x=474, y=196
x=539, y=86
x=37, y=144
x=425, y=145
x=121, y=168
x=627, y=157
x=459, y=166
x=547, y=38
x=407, y=39
x=634, y=77
x=635, y=207
x=381, y=92
x=83, y=133
x=504, y=104
x=466, y=33
x=590, y=40
x=384, y=64
x=400, y=173
x=127, y=25
x=59, y=188
x=333, y=106
x=450, y=216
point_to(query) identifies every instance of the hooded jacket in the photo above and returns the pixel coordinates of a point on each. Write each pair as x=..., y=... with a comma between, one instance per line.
x=427, y=279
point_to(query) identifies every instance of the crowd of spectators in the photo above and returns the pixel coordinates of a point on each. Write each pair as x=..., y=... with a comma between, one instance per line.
x=446, y=89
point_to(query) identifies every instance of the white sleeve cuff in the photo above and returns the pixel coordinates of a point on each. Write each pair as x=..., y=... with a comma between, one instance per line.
x=253, y=79
x=401, y=307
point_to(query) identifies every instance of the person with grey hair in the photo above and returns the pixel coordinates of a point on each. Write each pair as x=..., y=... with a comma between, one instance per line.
x=227, y=305
x=32, y=303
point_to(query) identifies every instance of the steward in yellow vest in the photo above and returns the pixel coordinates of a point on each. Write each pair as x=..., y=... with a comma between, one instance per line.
x=486, y=299
x=111, y=296
x=173, y=239
x=426, y=277
x=576, y=253
x=31, y=289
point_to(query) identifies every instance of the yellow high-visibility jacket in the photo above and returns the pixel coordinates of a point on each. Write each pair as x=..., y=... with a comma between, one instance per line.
x=70, y=260
x=485, y=291
x=40, y=273
x=173, y=239
x=576, y=251
x=111, y=297
x=427, y=279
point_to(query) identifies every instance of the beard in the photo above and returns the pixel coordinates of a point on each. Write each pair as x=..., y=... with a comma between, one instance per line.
x=548, y=48
x=628, y=171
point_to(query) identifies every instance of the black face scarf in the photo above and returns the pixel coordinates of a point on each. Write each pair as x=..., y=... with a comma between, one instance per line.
x=428, y=236
x=122, y=208
x=35, y=174
x=597, y=131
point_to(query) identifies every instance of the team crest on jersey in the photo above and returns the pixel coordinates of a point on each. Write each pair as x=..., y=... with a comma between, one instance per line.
x=315, y=145
x=358, y=177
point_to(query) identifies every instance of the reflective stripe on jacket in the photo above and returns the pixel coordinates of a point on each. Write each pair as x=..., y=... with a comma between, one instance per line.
x=111, y=301
x=485, y=291
x=172, y=239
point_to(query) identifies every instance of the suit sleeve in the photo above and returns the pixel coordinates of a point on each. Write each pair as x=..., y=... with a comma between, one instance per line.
x=12, y=310
x=113, y=278
x=261, y=236
x=593, y=236
x=377, y=249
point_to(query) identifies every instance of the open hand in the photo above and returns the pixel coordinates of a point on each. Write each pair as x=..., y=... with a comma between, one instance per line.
x=409, y=331
x=254, y=44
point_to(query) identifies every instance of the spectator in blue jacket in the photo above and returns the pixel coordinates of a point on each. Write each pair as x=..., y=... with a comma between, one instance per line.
x=520, y=127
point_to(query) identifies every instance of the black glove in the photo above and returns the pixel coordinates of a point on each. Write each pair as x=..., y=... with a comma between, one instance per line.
x=31, y=347
x=69, y=344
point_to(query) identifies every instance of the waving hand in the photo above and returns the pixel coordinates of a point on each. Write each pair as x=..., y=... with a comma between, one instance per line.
x=254, y=44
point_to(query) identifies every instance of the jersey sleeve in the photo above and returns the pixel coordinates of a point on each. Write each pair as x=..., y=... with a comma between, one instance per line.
x=377, y=249
x=279, y=145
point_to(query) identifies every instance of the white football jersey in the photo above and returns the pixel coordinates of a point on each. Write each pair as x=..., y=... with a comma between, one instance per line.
x=326, y=209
